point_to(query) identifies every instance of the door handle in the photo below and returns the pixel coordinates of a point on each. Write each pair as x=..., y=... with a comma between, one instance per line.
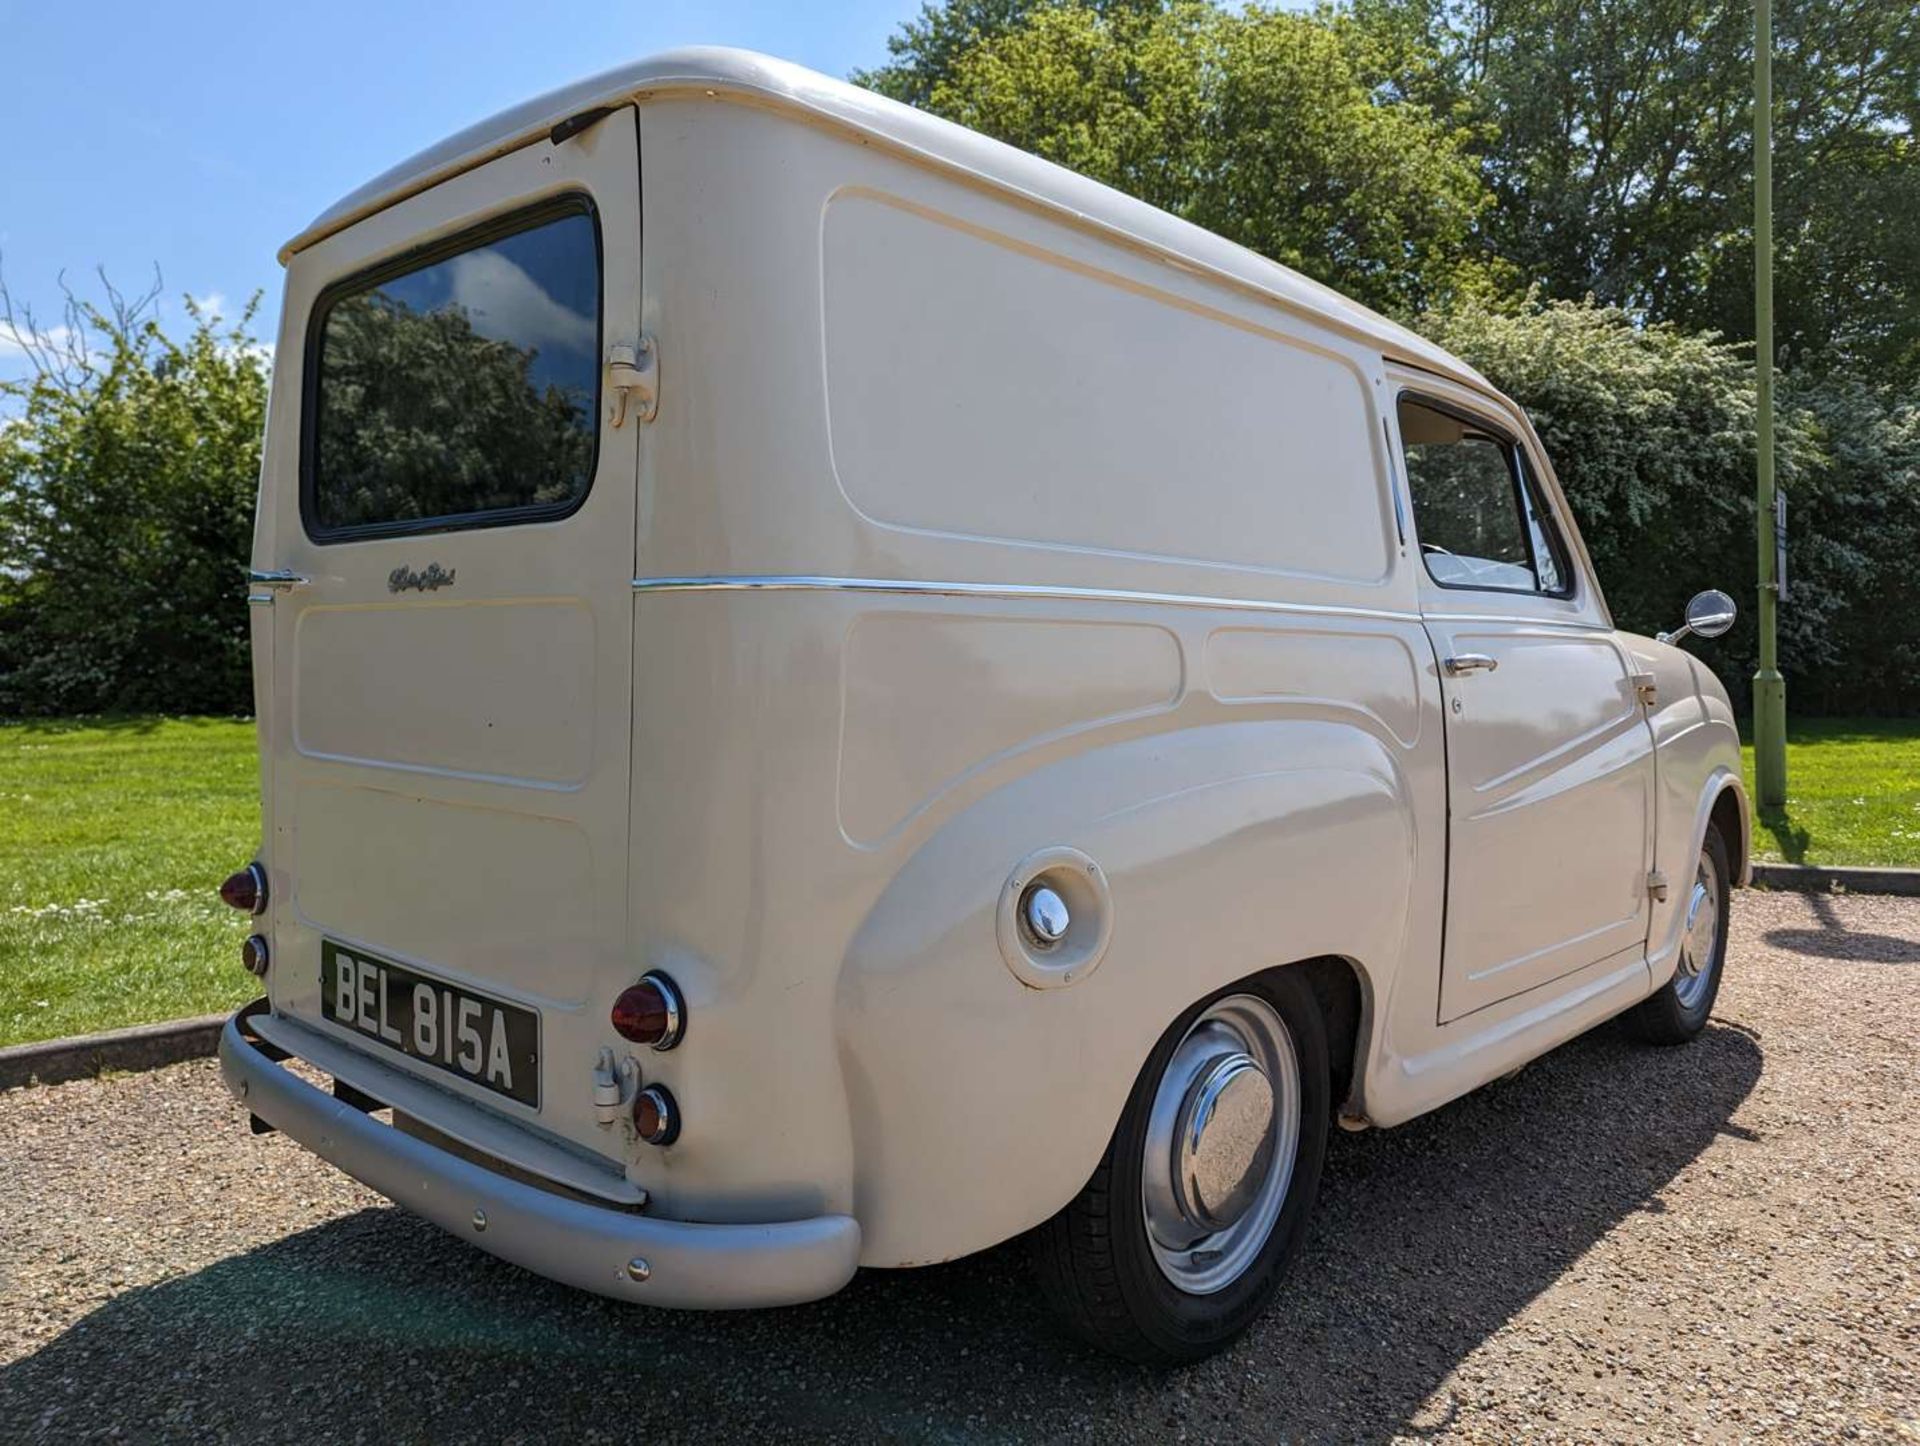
x=1470, y=663
x=264, y=585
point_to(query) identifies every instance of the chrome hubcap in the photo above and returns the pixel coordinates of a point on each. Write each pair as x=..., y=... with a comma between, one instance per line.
x=1221, y=1140
x=1702, y=937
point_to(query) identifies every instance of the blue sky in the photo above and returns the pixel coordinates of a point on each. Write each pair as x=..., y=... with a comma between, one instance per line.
x=201, y=137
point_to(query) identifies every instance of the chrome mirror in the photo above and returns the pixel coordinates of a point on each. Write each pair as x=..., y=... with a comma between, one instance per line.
x=1709, y=615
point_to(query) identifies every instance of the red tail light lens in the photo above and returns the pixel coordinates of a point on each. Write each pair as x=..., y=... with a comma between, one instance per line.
x=246, y=890
x=650, y=1013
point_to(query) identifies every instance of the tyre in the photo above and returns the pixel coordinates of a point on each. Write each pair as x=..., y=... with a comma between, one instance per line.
x=1201, y=1200
x=1678, y=1010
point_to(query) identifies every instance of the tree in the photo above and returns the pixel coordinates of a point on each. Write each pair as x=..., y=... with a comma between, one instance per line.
x=1651, y=431
x=1617, y=137
x=127, y=476
x=1260, y=126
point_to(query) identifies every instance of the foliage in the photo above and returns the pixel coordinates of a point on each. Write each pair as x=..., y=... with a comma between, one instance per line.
x=114, y=836
x=1651, y=430
x=1259, y=126
x=127, y=477
x=1617, y=137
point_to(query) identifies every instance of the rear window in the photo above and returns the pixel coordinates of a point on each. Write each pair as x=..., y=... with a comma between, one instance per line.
x=458, y=387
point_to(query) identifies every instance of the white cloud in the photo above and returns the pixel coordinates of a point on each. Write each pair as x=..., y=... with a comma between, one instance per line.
x=213, y=305
x=13, y=343
x=506, y=304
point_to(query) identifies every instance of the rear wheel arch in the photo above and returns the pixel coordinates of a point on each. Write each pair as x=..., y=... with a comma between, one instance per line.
x=1340, y=987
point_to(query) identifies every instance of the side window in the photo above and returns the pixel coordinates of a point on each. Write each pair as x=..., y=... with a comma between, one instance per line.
x=460, y=389
x=1476, y=506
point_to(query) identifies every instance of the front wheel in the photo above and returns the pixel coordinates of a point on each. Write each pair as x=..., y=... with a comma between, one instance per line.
x=1678, y=1010
x=1201, y=1200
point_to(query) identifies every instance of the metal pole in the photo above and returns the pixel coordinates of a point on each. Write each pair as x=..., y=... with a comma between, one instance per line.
x=1769, y=688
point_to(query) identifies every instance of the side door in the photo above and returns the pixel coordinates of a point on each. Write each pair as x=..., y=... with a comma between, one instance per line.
x=450, y=552
x=1550, y=771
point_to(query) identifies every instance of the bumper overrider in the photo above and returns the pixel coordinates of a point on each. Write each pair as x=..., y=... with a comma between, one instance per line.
x=608, y=1251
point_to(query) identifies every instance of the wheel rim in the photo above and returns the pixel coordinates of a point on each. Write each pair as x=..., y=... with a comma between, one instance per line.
x=1221, y=1140
x=1700, y=942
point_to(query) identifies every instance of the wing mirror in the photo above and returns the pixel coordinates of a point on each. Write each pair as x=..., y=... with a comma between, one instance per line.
x=1709, y=615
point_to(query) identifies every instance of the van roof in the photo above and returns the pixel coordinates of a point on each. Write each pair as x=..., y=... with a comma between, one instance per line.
x=743, y=76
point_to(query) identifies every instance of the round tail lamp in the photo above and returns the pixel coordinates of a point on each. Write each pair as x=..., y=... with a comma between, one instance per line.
x=656, y=1117
x=651, y=1012
x=253, y=954
x=246, y=890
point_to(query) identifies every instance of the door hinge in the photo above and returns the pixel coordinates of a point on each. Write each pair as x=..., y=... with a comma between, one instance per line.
x=633, y=372
x=1645, y=688
x=1657, y=886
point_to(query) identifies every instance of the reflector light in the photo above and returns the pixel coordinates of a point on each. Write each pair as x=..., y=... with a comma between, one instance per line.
x=650, y=1012
x=246, y=890
x=656, y=1118
x=253, y=954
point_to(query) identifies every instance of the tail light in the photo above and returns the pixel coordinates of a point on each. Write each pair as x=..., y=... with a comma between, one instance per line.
x=253, y=954
x=650, y=1012
x=656, y=1117
x=246, y=890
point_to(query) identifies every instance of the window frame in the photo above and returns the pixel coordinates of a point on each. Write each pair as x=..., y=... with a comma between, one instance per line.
x=1523, y=478
x=508, y=223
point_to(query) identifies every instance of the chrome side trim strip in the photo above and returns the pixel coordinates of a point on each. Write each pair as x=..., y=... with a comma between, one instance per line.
x=1022, y=592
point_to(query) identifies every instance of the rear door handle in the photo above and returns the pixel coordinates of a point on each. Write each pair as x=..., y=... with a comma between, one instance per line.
x=1471, y=663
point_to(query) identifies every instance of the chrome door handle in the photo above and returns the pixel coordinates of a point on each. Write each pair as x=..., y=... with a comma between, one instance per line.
x=1471, y=663
x=263, y=586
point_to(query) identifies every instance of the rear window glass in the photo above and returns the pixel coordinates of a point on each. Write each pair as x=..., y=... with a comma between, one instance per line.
x=459, y=390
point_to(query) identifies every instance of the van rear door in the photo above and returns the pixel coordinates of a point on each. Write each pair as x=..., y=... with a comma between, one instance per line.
x=449, y=722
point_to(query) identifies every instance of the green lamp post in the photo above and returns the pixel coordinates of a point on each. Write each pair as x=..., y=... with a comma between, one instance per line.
x=1769, y=688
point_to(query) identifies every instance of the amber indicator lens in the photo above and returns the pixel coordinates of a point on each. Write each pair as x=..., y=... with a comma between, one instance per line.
x=656, y=1118
x=246, y=890
x=650, y=1013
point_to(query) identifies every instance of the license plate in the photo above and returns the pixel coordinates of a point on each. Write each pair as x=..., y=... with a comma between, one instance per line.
x=483, y=1040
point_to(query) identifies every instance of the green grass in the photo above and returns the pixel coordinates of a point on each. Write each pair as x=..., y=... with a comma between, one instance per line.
x=1853, y=794
x=114, y=836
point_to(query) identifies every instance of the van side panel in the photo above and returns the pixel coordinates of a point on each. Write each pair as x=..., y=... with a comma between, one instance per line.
x=1028, y=397
x=1186, y=645
x=980, y=1104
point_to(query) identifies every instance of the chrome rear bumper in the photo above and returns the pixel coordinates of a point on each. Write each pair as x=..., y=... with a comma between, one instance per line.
x=710, y=1267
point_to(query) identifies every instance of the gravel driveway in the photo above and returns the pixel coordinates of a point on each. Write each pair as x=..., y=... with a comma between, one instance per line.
x=1719, y=1242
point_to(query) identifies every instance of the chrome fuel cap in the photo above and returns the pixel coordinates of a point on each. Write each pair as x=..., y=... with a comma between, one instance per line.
x=1044, y=913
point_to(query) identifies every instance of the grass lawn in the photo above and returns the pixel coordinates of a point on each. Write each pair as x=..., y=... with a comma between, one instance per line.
x=1853, y=790
x=113, y=837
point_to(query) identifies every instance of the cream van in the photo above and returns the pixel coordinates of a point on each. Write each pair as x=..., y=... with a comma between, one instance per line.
x=832, y=693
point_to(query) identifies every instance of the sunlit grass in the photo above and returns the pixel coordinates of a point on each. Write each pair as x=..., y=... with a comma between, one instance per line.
x=1853, y=794
x=113, y=837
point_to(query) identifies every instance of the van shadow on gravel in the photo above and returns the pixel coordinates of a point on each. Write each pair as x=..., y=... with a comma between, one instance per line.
x=1428, y=1238
x=1833, y=940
